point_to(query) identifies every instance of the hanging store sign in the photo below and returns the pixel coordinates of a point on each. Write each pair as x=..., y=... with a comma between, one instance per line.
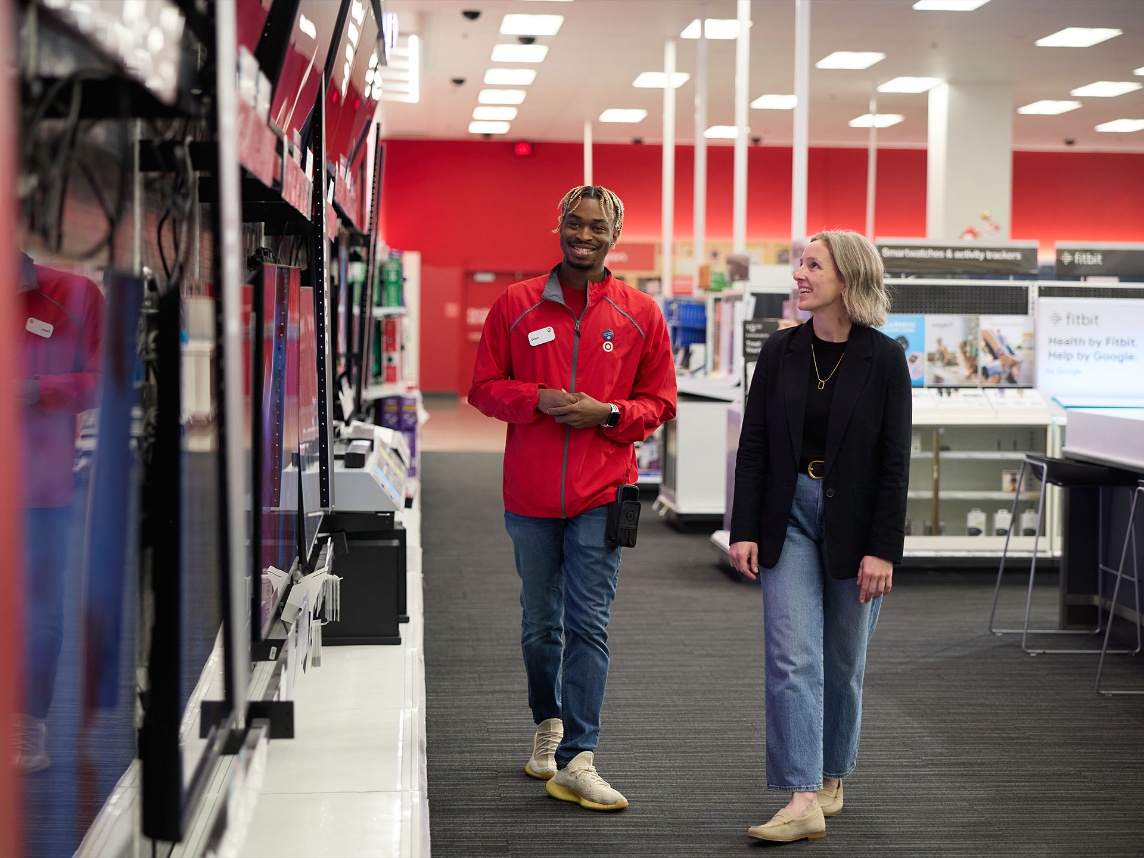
x=1099, y=259
x=967, y=257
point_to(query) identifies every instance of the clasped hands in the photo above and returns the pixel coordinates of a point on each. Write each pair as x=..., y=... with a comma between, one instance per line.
x=578, y=410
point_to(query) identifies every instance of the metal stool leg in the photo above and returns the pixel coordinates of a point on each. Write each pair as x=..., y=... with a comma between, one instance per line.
x=1005, y=551
x=1129, y=539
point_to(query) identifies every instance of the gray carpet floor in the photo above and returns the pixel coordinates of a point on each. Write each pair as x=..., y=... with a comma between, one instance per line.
x=969, y=746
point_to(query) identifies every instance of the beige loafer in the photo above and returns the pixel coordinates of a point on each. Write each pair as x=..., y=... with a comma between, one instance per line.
x=830, y=800
x=784, y=828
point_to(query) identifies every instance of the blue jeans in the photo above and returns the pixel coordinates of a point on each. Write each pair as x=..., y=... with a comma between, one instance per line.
x=816, y=633
x=47, y=534
x=568, y=580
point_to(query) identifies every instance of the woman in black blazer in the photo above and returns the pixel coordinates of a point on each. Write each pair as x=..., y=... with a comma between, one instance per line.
x=820, y=505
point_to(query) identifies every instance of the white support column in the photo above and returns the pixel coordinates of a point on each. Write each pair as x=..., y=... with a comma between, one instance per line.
x=742, y=92
x=588, y=152
x=969, y=158
x=801, y=118
x=699, y=243
x=871, y=167
x=668, y=201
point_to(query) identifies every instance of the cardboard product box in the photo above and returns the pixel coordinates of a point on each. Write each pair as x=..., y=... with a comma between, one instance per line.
x=391, y=334
x=411, y=437
x=391, y=412
x=409, y=411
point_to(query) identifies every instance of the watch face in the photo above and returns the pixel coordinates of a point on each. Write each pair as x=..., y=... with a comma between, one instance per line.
x=613, y=418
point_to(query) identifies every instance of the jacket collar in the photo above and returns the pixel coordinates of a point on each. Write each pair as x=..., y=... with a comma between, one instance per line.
x=553, y=292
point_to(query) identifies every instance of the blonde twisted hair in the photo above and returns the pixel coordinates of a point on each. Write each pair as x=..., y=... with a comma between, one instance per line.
x=611, y=204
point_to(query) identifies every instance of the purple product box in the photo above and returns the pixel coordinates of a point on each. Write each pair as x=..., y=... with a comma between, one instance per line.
x=391, y=412
x=409, y=412
x=411, y=437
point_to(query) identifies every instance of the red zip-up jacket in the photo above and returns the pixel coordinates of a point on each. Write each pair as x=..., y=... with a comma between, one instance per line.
x=618, y=351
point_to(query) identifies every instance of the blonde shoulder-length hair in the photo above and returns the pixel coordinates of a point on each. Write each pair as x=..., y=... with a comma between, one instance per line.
x=866, y=300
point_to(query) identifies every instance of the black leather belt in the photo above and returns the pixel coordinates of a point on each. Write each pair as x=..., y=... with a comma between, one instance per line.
x=813, y=468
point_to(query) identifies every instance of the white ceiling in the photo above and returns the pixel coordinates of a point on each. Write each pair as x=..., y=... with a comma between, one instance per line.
x=604, y=44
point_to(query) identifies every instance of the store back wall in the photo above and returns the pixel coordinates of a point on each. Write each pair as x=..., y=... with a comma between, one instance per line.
x=476, y=206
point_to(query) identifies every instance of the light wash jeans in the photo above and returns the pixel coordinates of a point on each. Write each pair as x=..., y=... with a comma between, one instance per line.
x=568, y=583
x=816, y=633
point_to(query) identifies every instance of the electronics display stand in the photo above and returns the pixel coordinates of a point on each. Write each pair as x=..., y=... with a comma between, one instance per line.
x=369, y=541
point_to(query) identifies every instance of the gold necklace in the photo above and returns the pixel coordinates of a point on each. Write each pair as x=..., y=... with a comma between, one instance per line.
x=822, y=381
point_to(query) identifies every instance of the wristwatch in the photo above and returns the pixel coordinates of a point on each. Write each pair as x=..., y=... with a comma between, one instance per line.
x=614, y=417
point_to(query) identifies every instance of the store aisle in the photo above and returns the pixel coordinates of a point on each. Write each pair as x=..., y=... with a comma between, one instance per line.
x=969, y=747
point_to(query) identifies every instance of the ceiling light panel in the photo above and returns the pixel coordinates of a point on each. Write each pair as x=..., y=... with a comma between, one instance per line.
x=479, y=127
x=509, y=77
x=494, y=114
x=714, y=28
x=655, y=80
x=850, y=60
x=1048, y=108
x=949, y=5
x=519, y=53
x=501, y=96
x=1124, y=126
x=880, y=120
x=910, y=84
x=1078, y=37
x=722, y=132
x=1106, y=88
x=617, y=114
x=531, y=25
x=772, y=101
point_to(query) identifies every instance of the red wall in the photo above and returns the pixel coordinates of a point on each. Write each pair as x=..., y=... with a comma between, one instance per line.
x=474, y=205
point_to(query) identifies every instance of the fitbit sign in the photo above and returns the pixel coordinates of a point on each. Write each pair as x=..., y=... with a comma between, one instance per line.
x=1122, y=261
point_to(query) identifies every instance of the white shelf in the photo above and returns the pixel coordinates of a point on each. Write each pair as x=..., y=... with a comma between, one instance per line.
x=974, y=546
x=382, y=391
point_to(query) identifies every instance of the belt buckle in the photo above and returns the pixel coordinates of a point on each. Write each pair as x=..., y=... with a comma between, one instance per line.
x=812, y=465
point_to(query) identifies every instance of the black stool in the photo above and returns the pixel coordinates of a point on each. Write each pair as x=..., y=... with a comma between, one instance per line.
x=1065, y=473
x=1129, y=539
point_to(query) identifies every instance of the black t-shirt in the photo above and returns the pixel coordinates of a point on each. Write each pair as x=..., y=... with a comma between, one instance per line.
x=817, y=415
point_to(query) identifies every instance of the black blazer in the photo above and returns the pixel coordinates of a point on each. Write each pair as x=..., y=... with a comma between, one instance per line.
x=867, y=467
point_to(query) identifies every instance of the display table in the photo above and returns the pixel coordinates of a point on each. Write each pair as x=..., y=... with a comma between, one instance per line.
x=1112, y=437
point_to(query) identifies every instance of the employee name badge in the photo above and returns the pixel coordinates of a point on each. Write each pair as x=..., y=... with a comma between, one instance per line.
x=541, y=336
x=43, y=329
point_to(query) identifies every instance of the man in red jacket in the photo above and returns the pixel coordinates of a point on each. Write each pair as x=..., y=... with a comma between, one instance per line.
x=580, y=367
x=59, y=378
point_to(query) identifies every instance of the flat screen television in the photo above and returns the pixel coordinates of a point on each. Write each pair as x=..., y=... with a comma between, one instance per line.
x=309, y=428
x=301, y=50
x=183, y=558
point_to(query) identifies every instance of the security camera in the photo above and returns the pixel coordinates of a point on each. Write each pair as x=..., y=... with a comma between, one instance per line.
x=756, y=140
x=526, y=40
x=458, y=81
x=1070, y=141
x=472, y=14
x=637, y=140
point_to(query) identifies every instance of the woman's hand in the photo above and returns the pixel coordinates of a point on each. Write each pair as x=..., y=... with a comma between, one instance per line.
x=875, y=578
x=744, y=558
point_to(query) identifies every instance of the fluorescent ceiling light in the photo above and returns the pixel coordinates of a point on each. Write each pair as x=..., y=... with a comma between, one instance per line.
x=850, y=60
x=775, y=102
x=1138, y=71
x=910, y=84
x=1049, y=108
x=619, y=114
x=655, y=80
x=509, y=77
x=500, y=96
x=880, y=120
x=519, y=53
x=713, y=28
x=1106, y=88
x=1122, y=125
x=722, y=132
x=949, y=5
x=494, y=114
x=476, y=127
x=531, y=25
x=1077, y=37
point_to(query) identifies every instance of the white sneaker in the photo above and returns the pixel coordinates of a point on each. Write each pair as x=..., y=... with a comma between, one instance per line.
x=31, y=737
x=579, y=782
x=542, y=763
